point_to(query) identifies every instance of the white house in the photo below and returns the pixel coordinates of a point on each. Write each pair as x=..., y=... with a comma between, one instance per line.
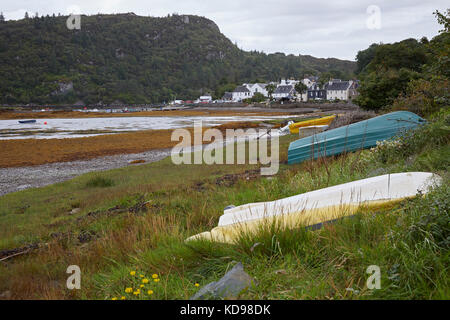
x=309, y=82
x=205, y=99
x=338, y=89
x=289, y=82
x=241, y=93
x=284, y=92
x=257, y=88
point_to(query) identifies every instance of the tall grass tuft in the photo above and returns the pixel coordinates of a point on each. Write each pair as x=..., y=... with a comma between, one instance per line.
x=99, y=182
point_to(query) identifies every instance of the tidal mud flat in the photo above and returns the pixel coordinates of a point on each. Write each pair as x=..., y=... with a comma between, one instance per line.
x=30, y=163
x=14, y=179
x=21, y=178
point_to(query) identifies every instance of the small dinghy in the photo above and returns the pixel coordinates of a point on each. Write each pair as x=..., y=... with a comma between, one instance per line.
x=27, y=121
x=321, y=206
x=294, y=127
x=356, y=136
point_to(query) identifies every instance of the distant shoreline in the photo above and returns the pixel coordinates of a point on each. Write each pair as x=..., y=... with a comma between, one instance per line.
x=207, y=110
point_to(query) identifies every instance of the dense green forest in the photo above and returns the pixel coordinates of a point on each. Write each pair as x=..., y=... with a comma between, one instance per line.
x=407, y=75
x=134, y=59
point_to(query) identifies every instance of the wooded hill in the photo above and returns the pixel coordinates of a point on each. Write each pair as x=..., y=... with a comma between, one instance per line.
x=134, y=59
x=407, y=75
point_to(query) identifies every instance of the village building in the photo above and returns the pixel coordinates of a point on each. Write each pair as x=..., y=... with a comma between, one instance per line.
x=257, y=88
x=338, y=89
x=310, y=81
x=335, y=89
x=205, y=99
x=241, y=93
x=284, y=92
x=353, y=91
x=316, y=93
x=228, y=97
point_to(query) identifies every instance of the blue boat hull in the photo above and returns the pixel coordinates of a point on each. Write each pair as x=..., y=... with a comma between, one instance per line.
x=360, y=135
x=27, y=121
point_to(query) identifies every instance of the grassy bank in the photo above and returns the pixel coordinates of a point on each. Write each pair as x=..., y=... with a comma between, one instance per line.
x=136, y=219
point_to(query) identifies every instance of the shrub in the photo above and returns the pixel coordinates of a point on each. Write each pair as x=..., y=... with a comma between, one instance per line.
x=99, y=182
x=424, y=97
x=423, y=141
x=258, y=97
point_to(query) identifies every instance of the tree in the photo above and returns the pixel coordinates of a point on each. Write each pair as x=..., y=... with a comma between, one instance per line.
x=324, y=78
x=389, y=71
x=300, y=87
x=364, y=57
x=270, y=89
x=258, y=97
x=26, y=15
x=380, y=89
x=221, y=89
x=443, y=19
x=2, y=17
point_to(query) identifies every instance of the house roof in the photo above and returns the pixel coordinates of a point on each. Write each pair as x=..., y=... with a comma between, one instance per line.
x=227, y=95
x=241, y=89
x=341, y=85
x=284, y=89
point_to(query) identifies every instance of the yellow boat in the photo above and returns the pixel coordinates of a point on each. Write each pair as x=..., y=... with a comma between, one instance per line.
x=314, y=122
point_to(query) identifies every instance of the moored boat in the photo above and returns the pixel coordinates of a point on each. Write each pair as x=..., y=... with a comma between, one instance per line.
x=27, y=121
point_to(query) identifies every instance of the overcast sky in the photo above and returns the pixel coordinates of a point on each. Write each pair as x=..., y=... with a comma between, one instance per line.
x=321, y=28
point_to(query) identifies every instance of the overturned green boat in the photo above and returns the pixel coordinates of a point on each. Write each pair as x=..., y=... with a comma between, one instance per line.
x=360, y=135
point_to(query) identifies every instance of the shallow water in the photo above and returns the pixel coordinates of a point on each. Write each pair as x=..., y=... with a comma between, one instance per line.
x=83, y=127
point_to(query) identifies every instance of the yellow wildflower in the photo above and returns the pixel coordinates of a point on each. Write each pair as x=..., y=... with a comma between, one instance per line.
x=150, y=292
x=137, y=292
x=141, y=285
x=141, y=275
x=129, y=290
x=154, y=276
x=114, y=298
x=133, y=273
x=123, y=298
x=197, y=285
x=144, y=280
x=156, y=280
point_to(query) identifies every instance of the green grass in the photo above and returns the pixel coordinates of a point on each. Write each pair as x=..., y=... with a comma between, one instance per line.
x=139, y=216
x=99, y=182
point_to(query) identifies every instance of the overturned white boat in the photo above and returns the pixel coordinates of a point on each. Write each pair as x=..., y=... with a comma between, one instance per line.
x=319, y=206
